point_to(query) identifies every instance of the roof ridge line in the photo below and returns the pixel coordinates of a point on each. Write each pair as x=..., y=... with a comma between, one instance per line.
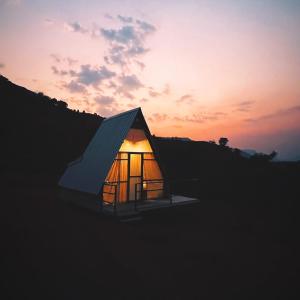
x=123, y=113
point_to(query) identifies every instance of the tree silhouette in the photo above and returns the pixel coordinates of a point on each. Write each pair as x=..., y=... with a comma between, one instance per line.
x=223, y=141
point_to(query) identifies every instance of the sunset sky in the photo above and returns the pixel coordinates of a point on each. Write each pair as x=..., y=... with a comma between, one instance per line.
x=199, y=69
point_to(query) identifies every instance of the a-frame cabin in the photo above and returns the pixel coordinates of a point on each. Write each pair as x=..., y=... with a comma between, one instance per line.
x=120, y=164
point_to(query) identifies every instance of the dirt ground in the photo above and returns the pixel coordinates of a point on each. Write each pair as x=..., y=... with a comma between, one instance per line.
x=212, y=250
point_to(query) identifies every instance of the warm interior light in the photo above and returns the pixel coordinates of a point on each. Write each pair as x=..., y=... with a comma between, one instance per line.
x=136, y=141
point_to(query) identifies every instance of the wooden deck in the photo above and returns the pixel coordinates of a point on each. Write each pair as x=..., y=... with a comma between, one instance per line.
x=129, y=209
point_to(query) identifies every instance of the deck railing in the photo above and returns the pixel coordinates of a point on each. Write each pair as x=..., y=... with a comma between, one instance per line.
x=139, y=188
x=115, y=186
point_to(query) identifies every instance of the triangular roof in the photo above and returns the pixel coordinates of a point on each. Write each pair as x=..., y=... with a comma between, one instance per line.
x=88, y=173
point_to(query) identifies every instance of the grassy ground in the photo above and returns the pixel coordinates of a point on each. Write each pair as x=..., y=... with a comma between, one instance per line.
x=219, y=248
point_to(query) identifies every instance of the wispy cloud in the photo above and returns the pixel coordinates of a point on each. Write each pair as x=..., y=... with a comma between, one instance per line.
x=146, y=27
x=2, y=65
x=126, y=46
x=126, y=35
x=56, y=71
x=201, y=117
x=131, y=82
x=280, y=113
x=61, y=59
x=192, y=118
x=158, y=117
x=166, y=90
x=244, y=106
x=127, y=43
x=49, y=22
x=154, y=93
x=125, y=19
x=75, y=87
x=104, y=100
x=89, y=75
x=185, y=99
x=125, y=85
x=108, y=16
x=75, y=27
x=107, y=106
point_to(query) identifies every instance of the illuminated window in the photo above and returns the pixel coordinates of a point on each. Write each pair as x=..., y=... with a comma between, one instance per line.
x=136, y=141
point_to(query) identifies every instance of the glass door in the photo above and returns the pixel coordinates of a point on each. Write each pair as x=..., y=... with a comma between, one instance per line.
x=135, y=176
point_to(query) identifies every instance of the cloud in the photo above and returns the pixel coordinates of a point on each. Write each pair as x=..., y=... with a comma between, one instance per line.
x=131, y=105
x=108, y=16
x=167, y=90
x=71, y=61
x=75, y=27
x=116, y=55
x=146, y=27
x=126, y=43
x=59, y=72
x=246, y=103
x=49, y=22
x=127, y=84
x=105, y=100
x=56, y=57
x=190, y=119
x=125, y=35
x=153, y=93
x=2, y=65
x=75, y=87
x=107, y=109
x=136, y=50
x=186, y=99
x=125, y=93
x=244, y=106
x=280, y=113
x=140, y=64
x=112, y=85
x=92, y=75
x=130, y=82
x=60, y=59
x=125, y=19
x=201, y=117
x=157, y=117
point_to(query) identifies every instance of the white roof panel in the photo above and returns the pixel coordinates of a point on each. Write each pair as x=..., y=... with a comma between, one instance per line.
x=88, y=173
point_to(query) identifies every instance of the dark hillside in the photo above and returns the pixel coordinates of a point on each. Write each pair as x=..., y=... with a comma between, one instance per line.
x=40, y=133
x=189, y=159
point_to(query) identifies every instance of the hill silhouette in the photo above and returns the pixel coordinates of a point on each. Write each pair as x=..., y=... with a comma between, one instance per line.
x=39, y=132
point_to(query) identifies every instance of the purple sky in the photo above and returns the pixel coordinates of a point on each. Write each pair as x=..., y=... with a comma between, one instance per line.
x=202, y=69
